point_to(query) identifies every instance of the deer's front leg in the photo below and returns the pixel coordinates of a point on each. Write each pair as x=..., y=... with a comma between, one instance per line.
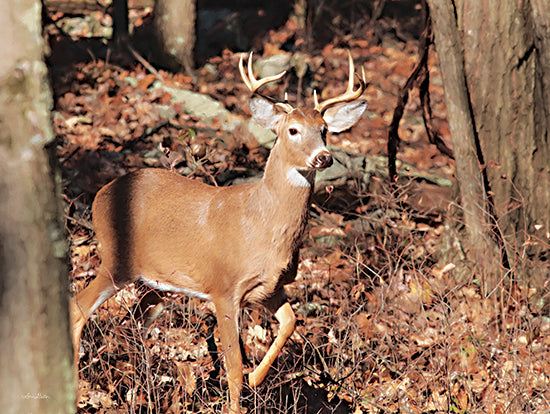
x=286, y=318
x=228, y=324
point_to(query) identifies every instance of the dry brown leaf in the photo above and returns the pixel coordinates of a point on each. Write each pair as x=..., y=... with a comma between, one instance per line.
x=186, y=377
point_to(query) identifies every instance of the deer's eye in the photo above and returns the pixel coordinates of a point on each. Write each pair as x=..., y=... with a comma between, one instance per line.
x=292, y=131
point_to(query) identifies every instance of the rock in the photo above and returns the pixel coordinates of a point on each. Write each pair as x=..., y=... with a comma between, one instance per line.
x=208, y=110
x=272, y=65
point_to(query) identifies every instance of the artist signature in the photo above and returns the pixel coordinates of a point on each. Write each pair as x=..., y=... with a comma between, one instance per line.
x=37, y=396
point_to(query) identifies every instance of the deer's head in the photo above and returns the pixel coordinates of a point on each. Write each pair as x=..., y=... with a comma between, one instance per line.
x=301, y=132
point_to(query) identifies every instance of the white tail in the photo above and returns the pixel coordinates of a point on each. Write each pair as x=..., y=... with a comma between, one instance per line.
x=234, y=245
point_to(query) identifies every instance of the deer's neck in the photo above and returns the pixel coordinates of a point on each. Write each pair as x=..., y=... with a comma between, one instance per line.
x=284, y=195
x=288, y=186
x=279, y=208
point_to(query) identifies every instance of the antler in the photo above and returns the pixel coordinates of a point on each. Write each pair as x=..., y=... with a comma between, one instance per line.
x=254, y=84
x=349, y=95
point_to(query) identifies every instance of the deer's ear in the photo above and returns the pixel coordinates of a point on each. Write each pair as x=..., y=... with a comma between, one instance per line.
x=265, y=113
x=342, y=116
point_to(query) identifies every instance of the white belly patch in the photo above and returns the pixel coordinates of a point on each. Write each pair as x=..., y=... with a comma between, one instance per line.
x=106, y=294
x=154, y=284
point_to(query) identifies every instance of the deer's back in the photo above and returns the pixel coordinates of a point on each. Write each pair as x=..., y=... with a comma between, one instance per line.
x=156, y=223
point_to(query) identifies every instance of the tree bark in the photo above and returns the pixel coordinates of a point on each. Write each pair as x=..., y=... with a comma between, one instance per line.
x=474, y=201
x=121, y=21
x=503, y=64
x=507, y=72
x=36, y=358
x=175, y=26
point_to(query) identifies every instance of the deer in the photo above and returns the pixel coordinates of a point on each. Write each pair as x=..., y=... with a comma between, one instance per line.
x=235, y=246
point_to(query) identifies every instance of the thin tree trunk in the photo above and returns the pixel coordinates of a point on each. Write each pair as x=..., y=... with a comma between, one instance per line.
x=121, y=36
x=482, y=248
x=36, y=359
x=175, y=26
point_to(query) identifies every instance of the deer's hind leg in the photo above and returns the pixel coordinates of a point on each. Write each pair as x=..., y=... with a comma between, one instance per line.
x=87, y=301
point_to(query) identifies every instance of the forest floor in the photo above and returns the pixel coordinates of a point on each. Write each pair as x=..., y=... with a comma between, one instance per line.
x=392, y=316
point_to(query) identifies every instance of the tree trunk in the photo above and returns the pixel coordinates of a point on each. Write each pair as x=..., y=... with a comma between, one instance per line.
x=36, y=358
x=505, y=52
x=175, y=26
x=508, y=76
x=482, y=248
x=121, y=21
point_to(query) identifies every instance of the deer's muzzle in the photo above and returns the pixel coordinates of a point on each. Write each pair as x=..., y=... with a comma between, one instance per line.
x=322, y=160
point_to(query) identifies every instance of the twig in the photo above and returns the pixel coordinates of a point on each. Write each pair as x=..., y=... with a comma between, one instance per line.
x=144, y=62
x=419, y=77
x=433, y=135
x=402, y=99
x=377, y=10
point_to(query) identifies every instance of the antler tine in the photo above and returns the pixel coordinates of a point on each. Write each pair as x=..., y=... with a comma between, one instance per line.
x=315, y=100
x=250, y=81
x=351, y=74
x=348, y=95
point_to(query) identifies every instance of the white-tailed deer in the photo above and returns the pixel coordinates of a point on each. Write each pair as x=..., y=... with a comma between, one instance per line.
x=236, y=245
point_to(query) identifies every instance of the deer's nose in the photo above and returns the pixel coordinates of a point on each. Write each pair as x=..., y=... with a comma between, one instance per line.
x=322, y=160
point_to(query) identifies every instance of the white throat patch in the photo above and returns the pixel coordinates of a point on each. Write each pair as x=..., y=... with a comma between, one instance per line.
x=296, y=179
